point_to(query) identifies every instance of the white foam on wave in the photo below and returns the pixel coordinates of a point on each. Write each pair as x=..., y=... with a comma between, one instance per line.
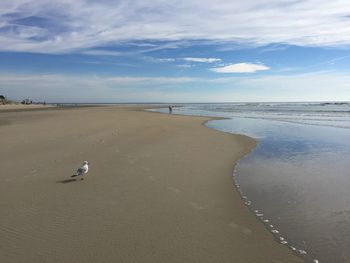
x=322, y=114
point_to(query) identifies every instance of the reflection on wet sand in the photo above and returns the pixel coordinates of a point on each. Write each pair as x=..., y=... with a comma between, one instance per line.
x=296, y=181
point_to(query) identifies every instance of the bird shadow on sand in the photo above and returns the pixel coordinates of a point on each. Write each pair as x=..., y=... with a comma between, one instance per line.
x=66, y=181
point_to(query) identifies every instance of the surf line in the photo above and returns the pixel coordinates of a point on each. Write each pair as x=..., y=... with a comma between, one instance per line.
x=267, y=222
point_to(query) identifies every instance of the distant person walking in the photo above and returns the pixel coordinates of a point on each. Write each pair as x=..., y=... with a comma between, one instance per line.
x=170, y=109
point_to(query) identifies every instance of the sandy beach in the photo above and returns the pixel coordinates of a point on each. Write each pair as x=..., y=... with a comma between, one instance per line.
x=159, y=189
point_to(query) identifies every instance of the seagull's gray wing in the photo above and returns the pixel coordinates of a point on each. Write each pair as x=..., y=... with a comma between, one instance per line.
x=80, y=171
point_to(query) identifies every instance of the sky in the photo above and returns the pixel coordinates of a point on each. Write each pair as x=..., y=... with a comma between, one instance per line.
x=175, y=51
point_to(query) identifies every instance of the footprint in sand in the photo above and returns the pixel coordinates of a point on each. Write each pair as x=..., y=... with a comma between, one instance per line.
x=131, y=160
x=243, y=229
x=196, y=206
x=233, y=225
x=175, y=190
x=246, y=231
x=34, y=172
x=151, y=178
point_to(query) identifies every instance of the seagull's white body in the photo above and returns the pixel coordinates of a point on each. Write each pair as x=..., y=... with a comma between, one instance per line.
x=82, y=169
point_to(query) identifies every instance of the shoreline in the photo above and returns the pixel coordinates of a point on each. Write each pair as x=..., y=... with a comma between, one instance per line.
x=160, y=189
x=269, y=228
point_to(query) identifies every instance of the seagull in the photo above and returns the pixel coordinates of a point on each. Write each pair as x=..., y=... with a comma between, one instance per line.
x=82, y=170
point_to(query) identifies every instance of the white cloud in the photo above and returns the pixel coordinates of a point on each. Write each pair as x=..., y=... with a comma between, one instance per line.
x=58, y=26
x=202, y=60
x=164, y=60
x=240, y=68
x=87, y=80
x=187, y=59
x=185, y=66
x=96, y=52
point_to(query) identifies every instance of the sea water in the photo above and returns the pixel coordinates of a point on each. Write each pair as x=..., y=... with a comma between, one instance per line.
x=297, y=179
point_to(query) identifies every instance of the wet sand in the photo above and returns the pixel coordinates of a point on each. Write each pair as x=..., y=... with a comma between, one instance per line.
x=159, y=189
x=302, y=174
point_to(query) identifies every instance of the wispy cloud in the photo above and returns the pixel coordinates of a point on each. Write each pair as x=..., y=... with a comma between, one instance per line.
x=164, y=60
x=202, y=60
x=60, y=26
x=185, y=66
x=186, y=59
x=240, y=68
x=90, y=88
x=115, y=80
x=315, y=86
x=96, y=52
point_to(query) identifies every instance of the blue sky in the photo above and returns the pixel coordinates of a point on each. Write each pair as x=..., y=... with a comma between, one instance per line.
x=188, y=51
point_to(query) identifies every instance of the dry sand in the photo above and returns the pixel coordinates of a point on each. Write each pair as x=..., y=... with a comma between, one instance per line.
x=11, y=107
x=160, y=189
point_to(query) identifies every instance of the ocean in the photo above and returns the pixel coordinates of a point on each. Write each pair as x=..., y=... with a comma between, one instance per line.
x=297, y=180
